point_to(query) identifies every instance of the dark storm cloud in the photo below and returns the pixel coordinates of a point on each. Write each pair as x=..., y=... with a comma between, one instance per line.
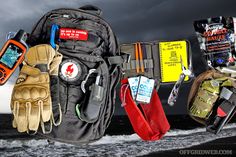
x=131, y=20
x=169, y=19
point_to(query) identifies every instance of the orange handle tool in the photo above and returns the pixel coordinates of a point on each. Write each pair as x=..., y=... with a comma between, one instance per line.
x=141, y=57
x=136, y=57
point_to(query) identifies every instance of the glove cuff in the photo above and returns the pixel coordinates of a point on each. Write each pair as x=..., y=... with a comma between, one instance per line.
x=28, y=70
x=40, y=54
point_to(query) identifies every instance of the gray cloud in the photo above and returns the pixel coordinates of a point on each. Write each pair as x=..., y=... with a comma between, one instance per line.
x=131, y=20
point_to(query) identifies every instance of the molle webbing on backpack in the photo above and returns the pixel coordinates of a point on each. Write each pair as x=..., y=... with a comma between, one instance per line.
x=92, y=59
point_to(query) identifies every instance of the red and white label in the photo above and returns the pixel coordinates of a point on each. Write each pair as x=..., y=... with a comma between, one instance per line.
x=73, y=34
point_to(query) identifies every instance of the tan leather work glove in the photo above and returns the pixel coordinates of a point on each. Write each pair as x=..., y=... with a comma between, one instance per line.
x=31, y=102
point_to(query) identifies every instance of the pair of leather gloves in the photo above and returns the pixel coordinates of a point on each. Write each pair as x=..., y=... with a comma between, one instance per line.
x=36, y=92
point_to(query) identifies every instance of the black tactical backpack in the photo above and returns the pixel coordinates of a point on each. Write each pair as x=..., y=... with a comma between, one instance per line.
x=88, y=74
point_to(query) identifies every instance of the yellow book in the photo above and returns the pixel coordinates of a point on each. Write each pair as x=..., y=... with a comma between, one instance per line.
x=170, y=62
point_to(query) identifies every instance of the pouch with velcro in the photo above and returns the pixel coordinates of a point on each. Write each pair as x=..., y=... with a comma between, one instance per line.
x=204, y=95
x=160, y=60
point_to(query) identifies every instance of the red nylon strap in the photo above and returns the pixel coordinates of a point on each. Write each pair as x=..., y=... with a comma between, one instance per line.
x=153, y=124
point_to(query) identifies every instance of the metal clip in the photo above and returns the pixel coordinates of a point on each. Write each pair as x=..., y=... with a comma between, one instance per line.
x=86, y=79
x=54, y=29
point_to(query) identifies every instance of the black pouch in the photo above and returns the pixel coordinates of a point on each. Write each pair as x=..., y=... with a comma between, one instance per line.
x=161, y=60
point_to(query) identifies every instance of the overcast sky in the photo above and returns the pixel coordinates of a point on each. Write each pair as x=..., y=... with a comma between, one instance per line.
x=131, y=20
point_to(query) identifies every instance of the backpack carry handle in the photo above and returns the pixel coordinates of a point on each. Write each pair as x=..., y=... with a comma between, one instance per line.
x=92, y=9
